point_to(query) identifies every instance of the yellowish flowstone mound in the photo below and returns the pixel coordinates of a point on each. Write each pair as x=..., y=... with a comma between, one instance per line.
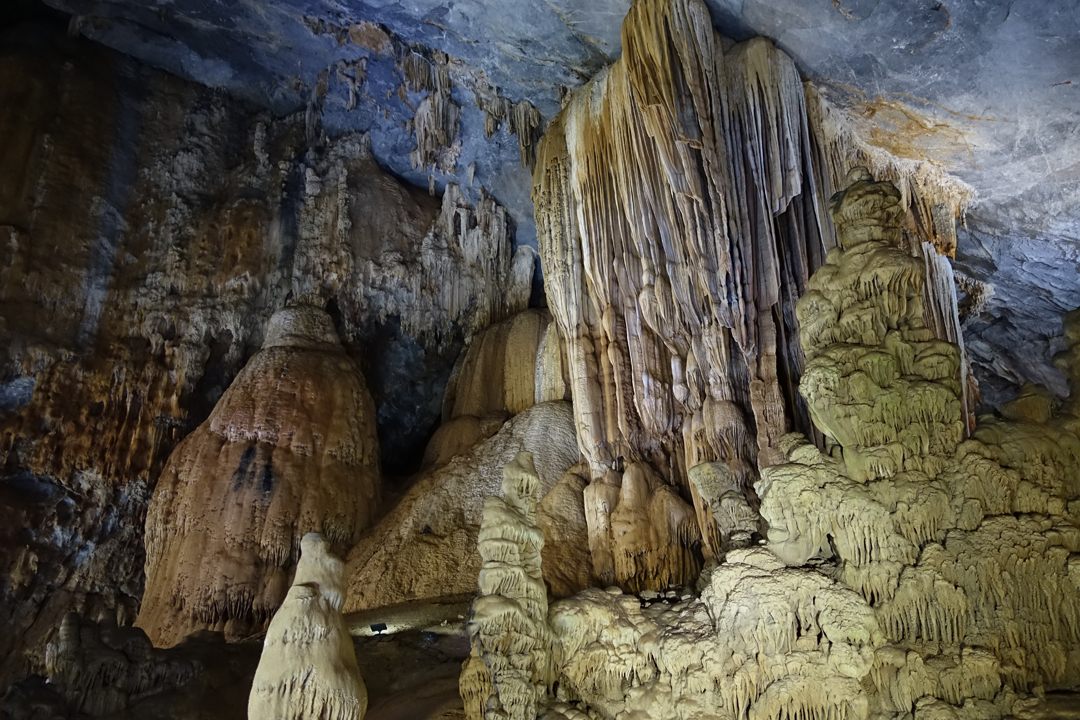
x=290, y=448
x=762, y=641
x=308, y=666
x=425, y=547
x=507, y=368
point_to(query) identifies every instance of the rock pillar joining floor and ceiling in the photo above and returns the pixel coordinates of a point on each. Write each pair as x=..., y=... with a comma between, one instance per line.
x=290, y=448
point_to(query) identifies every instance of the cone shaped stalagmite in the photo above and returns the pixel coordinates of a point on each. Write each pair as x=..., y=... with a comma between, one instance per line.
x=308, y=666
x=290, y=448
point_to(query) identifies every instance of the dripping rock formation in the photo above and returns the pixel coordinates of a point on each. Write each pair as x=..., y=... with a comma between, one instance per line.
x=728, y=349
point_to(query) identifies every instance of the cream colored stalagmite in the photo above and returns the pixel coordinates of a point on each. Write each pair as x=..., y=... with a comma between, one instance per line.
x=289, y=449
x=507, y=675
x=964, y=548
x=877, y=381
x=308, y=666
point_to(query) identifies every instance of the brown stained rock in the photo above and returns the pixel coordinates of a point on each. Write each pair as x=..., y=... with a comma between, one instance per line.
x=289, y=449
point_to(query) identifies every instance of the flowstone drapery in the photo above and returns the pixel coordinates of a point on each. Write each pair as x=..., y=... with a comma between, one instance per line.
x=290, y=448
x=677, y=221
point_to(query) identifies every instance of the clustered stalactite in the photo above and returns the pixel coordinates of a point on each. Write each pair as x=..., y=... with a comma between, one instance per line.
x=675, y=206
x=436, y=117
x=289, y=449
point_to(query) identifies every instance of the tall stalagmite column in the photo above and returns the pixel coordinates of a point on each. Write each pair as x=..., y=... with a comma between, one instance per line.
x=289, y=449
x=506, y=676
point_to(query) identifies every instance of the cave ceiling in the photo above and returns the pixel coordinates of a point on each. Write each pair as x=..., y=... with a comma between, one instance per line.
x=987, y=90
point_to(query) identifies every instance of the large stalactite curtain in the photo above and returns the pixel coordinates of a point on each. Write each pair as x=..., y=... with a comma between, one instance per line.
x=678, y=225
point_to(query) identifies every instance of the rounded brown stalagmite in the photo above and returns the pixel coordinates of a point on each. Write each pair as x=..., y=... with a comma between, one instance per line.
x=290, y=448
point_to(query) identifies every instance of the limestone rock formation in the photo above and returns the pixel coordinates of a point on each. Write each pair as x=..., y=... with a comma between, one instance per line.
x=761, y=641
x=727, y=519
x=940, y=585
x=962, y=549
x=289, y=449
x=507, y=368
x=680, y=213
x=567, y=567
x=641, y=533
x=508, y=621
x=102, y=670
x=673, y=254
x=149, y=228
x=670, y=297
x=425, y=547
x=308, y=666
x=877, y=381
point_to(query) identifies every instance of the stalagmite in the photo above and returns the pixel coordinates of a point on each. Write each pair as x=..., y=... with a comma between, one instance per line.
x=508, y=621
x=962, y=548
x=877, y=382
x=290, y=448
x=308, y=666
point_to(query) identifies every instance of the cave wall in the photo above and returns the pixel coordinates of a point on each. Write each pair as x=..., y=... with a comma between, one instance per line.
x=150, y=228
